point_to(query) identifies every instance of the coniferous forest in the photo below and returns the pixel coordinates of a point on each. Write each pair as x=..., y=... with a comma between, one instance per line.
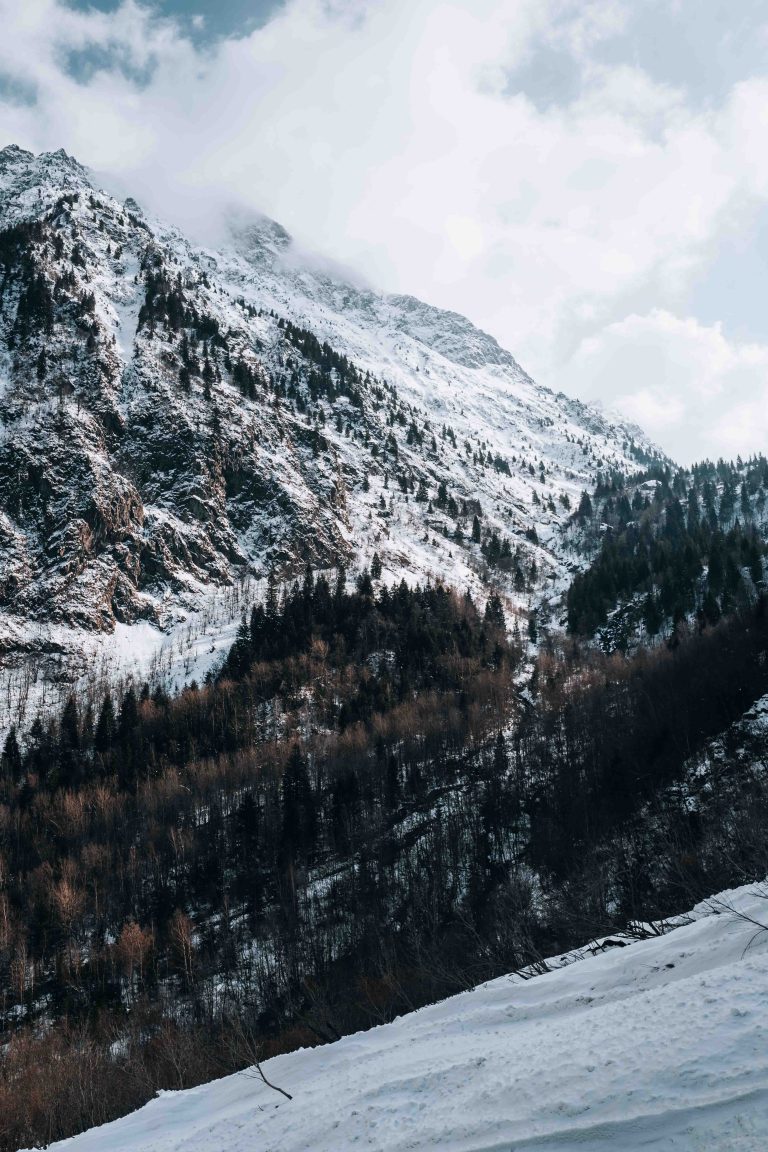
x=671, y=546
x=379, y=800
x=383, y=602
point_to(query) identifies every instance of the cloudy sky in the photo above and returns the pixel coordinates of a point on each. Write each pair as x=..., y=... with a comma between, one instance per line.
x=586, y=179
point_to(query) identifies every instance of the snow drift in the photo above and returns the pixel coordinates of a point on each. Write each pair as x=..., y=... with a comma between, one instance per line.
x=660, y=1044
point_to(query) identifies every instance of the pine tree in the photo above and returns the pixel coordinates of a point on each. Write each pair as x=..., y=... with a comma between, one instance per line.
x=299, y=818
x=500, y=757
x=105, y=727
x=11, y=763
x=652, y=615
x=533, y=631
x=129, y=715
x=239, y=659
x=270, y=605
x=494, y=612
x=585, y=507
x=69, y=744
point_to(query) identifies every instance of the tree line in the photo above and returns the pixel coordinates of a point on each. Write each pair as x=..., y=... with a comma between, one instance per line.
x=693, y=547
x=357, y=815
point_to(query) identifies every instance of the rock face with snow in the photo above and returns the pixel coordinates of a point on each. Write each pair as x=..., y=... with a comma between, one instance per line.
x=172, y=417
x=661, y=1044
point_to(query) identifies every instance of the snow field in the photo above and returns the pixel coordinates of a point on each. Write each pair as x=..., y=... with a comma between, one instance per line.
x=659, y=1045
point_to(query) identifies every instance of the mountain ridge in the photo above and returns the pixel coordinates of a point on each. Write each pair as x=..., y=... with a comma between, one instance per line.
x=343, y=668
x=164, y=433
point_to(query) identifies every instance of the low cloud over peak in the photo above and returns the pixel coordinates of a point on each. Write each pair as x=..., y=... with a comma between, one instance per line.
x=536, y=166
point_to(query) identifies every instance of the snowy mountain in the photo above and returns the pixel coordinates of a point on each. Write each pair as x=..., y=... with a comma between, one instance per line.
x=659, y=1044
x=389, y=794
x=174, y=419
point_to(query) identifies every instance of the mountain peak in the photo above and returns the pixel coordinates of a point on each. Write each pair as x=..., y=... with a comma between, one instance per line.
x=62, y=158
x=172, y=419
x=257, y=235
x=29, y=183
x=14, y=152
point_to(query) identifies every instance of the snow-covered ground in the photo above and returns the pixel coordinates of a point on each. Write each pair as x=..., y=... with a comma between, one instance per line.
x=659, y=1045
x=194, y=642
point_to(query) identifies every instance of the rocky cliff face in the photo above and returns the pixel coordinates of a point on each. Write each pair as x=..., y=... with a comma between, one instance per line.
x=171, y=418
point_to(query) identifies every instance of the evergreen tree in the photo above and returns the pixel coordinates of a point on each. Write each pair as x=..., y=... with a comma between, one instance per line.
x=585, y=510
x=494, y=612
x=69, y=760
x=500, y=757
x=105, y=727
x=299, y=818
x=11, y=767
x=270, y=604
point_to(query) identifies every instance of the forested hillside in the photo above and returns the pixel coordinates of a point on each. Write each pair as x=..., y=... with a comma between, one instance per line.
x=497, y=687
x=672, y=546
x=366, y=810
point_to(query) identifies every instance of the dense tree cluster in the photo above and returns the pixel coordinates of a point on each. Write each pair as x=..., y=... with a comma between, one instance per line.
x=420, y=672
x=373, y=802
x=335, y=374
x=335, y=829
x=19, y=255
x=165, y=303
x=680, y=546
x=421, y=632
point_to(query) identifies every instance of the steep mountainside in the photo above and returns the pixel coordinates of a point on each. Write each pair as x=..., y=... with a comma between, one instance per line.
x=172, y=418
x=294, y=736
x=671, y=550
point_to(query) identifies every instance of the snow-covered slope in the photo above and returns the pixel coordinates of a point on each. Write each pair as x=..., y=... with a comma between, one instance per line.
x=662, y=1044
x=163, y=432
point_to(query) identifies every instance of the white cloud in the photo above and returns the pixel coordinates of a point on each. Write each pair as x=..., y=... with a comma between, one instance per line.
x=697, y=393
x=391, y=135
